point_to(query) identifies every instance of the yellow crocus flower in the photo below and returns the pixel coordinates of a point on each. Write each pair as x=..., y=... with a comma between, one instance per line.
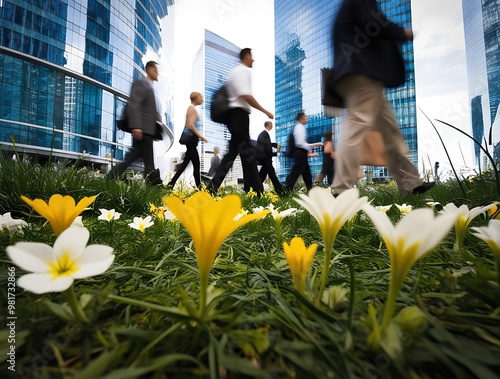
x=209, y=223
x=299, y=259
x=494, y=211
x=60, y=211
x=491, y=235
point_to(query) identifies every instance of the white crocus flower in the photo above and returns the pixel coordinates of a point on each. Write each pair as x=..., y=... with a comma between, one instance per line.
x=331, y=213
x=414, y=236
x=141, y=223
x=277, y=215
x=54, y=268
x=491, y=235
x=258, y=209
x=11, y=224
x=78, y=221
x=404, y=208
x=433, y=204
x=242, y=213
x=464, y=219
x=167, y=215
x=109, y=215
x=383, y=208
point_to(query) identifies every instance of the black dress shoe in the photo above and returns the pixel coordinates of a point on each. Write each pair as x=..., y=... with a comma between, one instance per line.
x=424, y=187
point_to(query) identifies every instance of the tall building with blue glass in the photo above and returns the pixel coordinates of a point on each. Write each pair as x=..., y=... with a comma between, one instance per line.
x=212, y=65
x=482, y=48
x=303, y=35
x=66, y=68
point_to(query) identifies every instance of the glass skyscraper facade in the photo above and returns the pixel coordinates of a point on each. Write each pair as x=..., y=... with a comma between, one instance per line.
x=214, y=60
x=66, y=68
x=303, y=45
x=482, y=49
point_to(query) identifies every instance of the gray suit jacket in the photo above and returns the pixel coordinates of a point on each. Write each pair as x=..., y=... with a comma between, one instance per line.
x=142, y=110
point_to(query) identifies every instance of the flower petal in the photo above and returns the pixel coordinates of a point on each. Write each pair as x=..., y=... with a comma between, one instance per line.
x=72, y=241
x=94, y=260
x=31, y=256
x=317, y=202
x=81, y=206
x=474, y=212
x=437, y=229
x=381, y=222
x=43, y=283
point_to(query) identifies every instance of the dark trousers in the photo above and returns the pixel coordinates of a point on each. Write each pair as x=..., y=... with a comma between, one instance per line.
x=300, y=167
x=268, y=169
x=327, y=170
x=141, y=149
x=193, y=157
x=239, y=126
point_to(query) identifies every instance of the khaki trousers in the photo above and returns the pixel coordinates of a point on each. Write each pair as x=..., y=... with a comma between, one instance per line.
x=367, y=109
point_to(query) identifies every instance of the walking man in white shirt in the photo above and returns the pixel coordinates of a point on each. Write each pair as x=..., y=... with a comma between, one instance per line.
x=302, y=151
x=241, y=102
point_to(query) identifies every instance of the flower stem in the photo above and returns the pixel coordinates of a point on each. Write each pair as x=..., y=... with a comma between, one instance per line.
x=278, y=235
x=203, y=293
x=390, y=304
x=351, y=293
x=324, y=274
x=75, y=305
x=497, y=261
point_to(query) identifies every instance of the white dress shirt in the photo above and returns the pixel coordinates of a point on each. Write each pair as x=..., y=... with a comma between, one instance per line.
x=300, y=135
x=240, y=83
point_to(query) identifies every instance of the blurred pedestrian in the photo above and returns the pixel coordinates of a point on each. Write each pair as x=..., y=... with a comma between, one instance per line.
x=367, y=59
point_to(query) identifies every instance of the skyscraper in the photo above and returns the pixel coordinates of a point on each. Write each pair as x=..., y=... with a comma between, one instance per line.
x=482, y=49
x=66, y=68
x=303, y=31
x=214, y=60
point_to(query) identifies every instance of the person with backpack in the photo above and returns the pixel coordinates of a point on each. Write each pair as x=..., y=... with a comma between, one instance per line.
x=301, y=152
x=265, y=156
x=241, y=102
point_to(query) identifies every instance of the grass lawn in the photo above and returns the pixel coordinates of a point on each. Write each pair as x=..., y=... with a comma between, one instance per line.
x=150, y=316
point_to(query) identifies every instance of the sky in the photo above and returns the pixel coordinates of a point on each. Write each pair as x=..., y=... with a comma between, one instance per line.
x=441, y=82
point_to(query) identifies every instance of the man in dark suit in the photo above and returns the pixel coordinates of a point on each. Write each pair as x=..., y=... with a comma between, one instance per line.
x=265, y=156
x=144, y=119
x=214, y=162
x=367, y=59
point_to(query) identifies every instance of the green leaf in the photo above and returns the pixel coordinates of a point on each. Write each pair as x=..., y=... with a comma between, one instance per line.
x=159, y=363
x=253, y=342
x=60, y=310
x=100, y=365
x=236, y=365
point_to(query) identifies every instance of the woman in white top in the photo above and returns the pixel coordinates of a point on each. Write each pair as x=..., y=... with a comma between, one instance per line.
x=192, y=122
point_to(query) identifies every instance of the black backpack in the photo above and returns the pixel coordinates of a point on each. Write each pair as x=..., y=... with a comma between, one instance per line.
x=123, y=123
x=290, y=146
x=219, y=105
